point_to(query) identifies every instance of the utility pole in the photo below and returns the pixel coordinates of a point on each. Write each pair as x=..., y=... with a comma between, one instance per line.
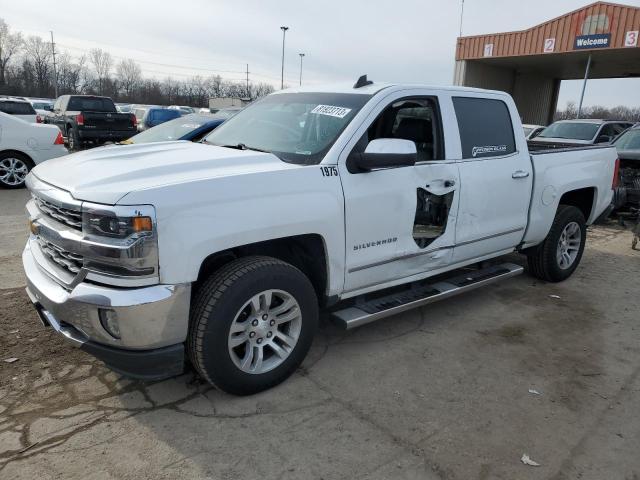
x=301, y=55
x=461, y=17
x=584, y=85
x=284, y=33
x=55, y=74
x=248, y=92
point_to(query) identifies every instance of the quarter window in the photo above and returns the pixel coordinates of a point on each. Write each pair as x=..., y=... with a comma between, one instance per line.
x=485, y=125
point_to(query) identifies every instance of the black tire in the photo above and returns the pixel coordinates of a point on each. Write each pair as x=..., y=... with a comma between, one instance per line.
x=214, y=308
x=543, y=261
x=11, y=160
x=73, y=140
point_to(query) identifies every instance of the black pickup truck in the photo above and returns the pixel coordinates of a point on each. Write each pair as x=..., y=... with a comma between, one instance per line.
x=88, y=118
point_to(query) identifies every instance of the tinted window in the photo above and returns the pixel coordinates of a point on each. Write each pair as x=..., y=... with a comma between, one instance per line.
x=17, y=108
x=570, y=130
x=630, y=140
x=91, y=104
x=162, y=115
x=485, y=127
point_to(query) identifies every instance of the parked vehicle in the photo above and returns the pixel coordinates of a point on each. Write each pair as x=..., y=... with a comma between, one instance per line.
x=155, y=116
x=41, y=104
x=532, y=131
x=628, y=147
x=24, y=145
x=88, y=118
x=20, y=109
x=190, y=127
x=184, y=110
x=347, y=199
x=227, y=112
x=124, y=107
x=581, y=132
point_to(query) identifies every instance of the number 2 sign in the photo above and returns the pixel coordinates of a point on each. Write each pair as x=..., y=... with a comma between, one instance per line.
x=549, y=45
x=631, y=39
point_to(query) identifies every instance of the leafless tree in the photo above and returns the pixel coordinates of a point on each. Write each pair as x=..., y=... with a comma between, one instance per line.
x=129, y=74
x=38, y=56
x=102, y=62
x=10, y=44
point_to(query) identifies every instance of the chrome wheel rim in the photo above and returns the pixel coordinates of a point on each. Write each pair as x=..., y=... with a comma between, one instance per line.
x=13, y=171
x=71, y=142
x=265, y=331
x=569, y=245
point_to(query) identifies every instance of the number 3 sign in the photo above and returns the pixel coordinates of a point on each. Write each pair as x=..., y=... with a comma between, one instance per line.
x=631, y=39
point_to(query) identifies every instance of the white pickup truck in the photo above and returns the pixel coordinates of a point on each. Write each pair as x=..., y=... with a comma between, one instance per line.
x=225, y=251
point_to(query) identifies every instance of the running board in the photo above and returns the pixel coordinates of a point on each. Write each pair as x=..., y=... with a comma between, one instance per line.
x=370, y=311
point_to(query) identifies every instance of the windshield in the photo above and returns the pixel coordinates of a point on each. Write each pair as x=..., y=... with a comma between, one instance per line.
x=629, y=140
x=296, y=127
x=571, y=130
x=171, y=130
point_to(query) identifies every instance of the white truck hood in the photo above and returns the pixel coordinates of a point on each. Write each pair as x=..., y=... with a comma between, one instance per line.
x=106, y=174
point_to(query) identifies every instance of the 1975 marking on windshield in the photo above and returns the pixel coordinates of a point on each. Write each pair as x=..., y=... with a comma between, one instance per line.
x=329, y=171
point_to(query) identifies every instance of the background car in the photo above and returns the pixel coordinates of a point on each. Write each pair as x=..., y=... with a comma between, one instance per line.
x=155, y=116
x=582, y=132
x=124, y=107
x=23, y=145
x=227, y=112
x=190, y=127
x=184, y=109
x=532, y=131
x=628, y=146
x=21, y=109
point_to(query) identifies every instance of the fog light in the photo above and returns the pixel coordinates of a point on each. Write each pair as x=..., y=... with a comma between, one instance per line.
x=109, y=321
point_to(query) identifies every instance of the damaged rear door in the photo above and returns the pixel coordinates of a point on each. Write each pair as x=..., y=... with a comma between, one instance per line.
x=400, y=222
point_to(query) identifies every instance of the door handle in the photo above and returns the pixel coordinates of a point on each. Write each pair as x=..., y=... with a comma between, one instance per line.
x=519, y=174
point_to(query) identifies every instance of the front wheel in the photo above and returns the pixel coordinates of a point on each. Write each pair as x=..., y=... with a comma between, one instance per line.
x=559, y=255
x=252, y=323
x=14, y=168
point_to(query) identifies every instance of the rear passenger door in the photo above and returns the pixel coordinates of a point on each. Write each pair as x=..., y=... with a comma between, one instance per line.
x=495, y=175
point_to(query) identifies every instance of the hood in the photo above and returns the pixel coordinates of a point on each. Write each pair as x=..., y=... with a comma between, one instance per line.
x=106, y=174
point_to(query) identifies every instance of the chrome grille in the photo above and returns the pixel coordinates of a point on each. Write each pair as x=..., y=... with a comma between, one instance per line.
x=68, y=216
x=71, y=262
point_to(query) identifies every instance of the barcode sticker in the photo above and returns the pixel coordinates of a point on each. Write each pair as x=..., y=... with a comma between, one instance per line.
x=332, y=111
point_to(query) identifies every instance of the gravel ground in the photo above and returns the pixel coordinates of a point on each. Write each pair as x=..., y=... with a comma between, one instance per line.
x=438, y=393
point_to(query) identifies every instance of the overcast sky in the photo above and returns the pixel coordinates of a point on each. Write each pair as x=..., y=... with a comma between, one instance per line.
x=396, y=41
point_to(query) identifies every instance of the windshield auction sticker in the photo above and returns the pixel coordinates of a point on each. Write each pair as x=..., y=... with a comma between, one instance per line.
x=332, y=111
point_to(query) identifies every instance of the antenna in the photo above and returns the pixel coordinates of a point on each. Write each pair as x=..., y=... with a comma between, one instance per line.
x=362, y=82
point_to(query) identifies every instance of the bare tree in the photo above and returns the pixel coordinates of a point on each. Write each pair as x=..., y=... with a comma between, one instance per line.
x=10, y=44
x=102, y=62
x=38, y=56
x=129, y=74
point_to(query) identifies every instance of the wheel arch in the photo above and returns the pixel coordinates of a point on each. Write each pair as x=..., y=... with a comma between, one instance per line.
x=582, y=198
x=19, y=152
x=307, y=252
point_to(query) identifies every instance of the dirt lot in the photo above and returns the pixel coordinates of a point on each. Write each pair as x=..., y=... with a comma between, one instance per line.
x=437, y=393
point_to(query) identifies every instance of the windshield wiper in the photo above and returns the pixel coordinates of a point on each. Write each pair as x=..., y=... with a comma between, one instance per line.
x=242, y=146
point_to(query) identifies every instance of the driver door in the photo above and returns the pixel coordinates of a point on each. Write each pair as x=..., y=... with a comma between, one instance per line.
x=400, y=222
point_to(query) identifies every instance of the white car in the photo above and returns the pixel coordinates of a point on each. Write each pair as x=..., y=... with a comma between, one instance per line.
x=532, y=131
x=24, y=145
x=349, y=197
x=20, y=109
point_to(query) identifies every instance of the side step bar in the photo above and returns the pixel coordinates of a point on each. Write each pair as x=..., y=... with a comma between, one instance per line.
x=364, y=312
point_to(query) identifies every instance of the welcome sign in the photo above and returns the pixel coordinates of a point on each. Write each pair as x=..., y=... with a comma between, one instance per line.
x=599, y=40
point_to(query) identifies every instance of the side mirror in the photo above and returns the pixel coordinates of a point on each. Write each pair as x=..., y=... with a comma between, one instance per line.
x=383, y=153
x=603, y=139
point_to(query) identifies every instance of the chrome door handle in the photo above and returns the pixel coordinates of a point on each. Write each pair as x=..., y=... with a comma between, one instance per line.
x=519, y=174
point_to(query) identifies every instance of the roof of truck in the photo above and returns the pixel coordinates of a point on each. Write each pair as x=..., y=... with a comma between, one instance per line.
x=375, y=87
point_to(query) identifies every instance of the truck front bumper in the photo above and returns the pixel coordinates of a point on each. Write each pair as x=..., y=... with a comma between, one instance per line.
x=153, y=321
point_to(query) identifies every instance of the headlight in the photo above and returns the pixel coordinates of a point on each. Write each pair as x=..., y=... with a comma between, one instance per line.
x=121, y=240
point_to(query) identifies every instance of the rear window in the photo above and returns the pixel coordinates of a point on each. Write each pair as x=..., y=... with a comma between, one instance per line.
x=91, y=104
x=17, y=108
x=162, y=115
x=571, y=131
x=485, y=125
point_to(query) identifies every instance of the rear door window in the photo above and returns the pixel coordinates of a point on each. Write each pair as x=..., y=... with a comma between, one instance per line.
x=17, y=108
x=485, y=125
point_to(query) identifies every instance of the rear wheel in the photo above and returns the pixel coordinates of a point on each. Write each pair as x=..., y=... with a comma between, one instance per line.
x=14, y=168
x=559, y=255
x=73, y=140
x=252, y=323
